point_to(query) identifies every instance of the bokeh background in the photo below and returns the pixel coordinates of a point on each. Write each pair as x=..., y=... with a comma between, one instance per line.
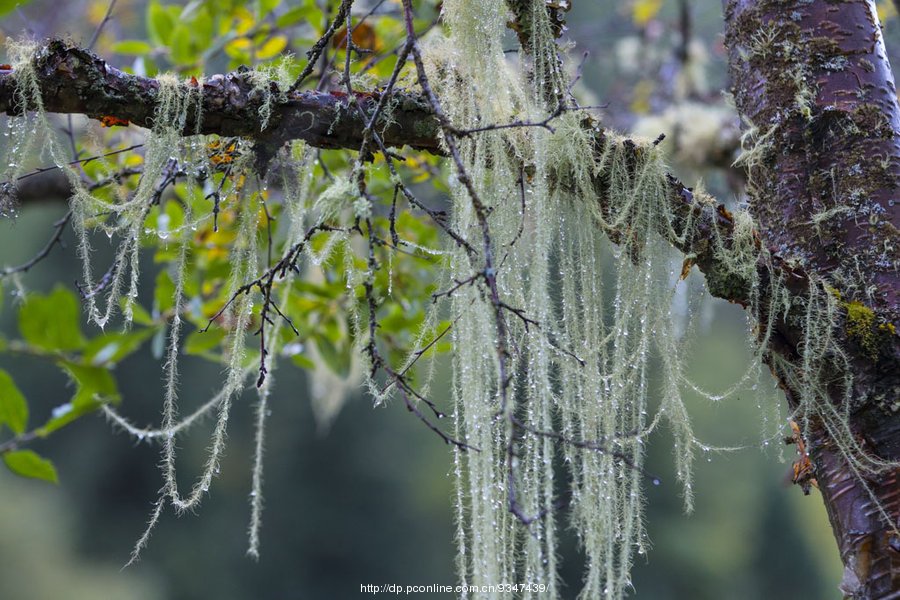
x=369, y=499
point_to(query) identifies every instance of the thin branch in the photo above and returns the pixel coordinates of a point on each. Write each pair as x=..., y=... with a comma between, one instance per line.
x=56, y=238
x=313, y=54
x=109, y=9
x=14, y=443
x=79, y=161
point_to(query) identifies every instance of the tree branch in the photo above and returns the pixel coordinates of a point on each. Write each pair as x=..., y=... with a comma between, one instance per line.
x=73, y=80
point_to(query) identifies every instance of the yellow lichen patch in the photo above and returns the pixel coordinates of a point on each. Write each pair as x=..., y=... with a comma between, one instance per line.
x=861, y=326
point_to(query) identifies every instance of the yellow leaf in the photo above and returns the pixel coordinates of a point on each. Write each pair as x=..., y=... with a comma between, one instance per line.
x=243, y=20
x=96, y=11
x=240, y=44
x=640, y=102
x=644, y=10
x=886, y=11
x=272, y=47
x=238, y=48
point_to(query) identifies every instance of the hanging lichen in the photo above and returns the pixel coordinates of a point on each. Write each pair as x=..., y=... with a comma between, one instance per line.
x=560, y=289
x=582, y=350
x=579, y=373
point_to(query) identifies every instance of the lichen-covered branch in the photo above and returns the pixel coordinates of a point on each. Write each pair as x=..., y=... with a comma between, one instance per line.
x=74, y=80
x=823, y=161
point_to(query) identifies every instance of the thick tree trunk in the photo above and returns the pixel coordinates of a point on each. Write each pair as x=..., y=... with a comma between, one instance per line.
x=812, y=83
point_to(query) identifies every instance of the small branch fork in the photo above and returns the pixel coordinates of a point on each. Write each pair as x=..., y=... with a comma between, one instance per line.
x=315, y=52
x=265, y=281
x=56, y=238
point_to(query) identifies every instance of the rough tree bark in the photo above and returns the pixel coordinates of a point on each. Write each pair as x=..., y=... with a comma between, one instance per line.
x=814, y=76
x=73, y=80
x=812, y=82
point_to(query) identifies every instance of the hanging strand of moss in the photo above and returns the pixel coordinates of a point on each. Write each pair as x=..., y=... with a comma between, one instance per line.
x=582, y=353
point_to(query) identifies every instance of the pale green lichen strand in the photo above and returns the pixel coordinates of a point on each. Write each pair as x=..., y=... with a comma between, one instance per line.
x=554, y=269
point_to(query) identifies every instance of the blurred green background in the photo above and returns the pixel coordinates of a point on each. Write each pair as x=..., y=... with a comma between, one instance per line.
x=370, y=500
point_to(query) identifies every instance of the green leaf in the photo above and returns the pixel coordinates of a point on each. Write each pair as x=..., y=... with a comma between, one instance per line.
x=13, y=408
x=139, y=314
x=136, y=47
x=303, y=362
x=294, y=16
x=266, y=6
x=181, y=48
x=337, y=361
x=94, y=387
x=202, y=29
x=159, y=24
x=164, y=294
x=109, y=349
x=201, y=342
x=28, y=464
x=51, y=322
x=7, y=6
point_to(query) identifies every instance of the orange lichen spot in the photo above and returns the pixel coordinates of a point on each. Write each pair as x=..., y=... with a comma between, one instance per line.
x=222, y=152
x=724, y=212
x=740, y=303
x=802, y=472
x=756, y=240
x=5, y=67
x=193, y=82
x=113, y=122
x=686, y=267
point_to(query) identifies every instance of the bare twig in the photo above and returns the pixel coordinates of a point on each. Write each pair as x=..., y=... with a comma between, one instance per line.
x=109, y=9
x=56, y=238
x=313, y=54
